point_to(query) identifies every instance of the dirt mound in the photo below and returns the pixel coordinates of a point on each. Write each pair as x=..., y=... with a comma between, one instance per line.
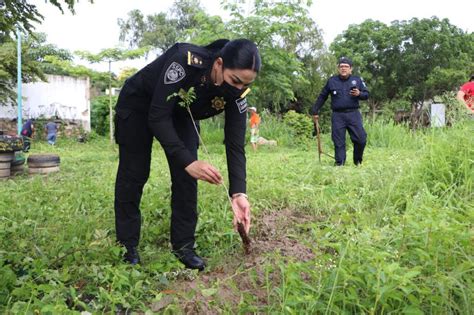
x=272, y=236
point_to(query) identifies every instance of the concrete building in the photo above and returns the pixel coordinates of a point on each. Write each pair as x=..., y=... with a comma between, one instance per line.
x=63, y=98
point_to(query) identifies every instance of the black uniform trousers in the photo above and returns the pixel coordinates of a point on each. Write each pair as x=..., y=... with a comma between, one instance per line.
x=351, y=121
x=135, y=146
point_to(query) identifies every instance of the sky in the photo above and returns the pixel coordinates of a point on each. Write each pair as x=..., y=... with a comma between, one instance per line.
x=94, y=26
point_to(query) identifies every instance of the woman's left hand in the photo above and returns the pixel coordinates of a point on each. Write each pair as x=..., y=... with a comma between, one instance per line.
x=241, y=208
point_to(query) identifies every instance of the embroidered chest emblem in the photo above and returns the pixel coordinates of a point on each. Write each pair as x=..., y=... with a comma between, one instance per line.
x=218, y=103
x=174, y=73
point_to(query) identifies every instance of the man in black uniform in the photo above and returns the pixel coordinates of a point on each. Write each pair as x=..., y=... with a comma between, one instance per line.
x=346, y=90
x=220, y=74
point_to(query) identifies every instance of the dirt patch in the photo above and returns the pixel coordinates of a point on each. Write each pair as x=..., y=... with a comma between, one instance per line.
x=245, y=276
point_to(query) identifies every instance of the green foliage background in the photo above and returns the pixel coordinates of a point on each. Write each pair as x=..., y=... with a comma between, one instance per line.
x=411, y=60
x=392, y=236
x=295, y=60
x=100, y=114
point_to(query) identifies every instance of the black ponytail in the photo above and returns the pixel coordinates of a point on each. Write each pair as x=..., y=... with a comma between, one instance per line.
x=217, y=45
x=241, y=54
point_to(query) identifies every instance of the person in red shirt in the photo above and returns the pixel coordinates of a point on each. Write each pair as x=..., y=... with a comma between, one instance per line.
x=466, y=94
x=254, y=125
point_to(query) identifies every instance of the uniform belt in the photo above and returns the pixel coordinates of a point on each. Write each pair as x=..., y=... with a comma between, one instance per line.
x=347, y=110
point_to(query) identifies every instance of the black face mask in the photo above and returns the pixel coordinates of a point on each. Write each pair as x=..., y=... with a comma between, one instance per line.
x=227, y=90
x=231, y=91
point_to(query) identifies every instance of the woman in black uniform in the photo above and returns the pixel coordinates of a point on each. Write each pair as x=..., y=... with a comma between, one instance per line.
x=220, y=74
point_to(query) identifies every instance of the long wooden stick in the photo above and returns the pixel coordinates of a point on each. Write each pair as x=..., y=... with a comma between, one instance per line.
x=318, y=138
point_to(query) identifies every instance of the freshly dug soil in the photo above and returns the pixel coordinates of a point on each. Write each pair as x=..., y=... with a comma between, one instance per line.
x=244, y=274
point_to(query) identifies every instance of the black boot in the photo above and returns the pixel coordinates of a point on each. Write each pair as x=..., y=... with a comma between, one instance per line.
x=131, y=256
x=190, y=259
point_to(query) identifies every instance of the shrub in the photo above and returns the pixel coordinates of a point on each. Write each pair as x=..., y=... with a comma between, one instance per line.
x=301, y=125
x=100, y=113
x=455, y=111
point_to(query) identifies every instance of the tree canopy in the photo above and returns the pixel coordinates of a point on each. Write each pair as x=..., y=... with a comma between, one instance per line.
x=23, y=14
x=161, y=30
x=295, y=60
x=113, y=54
x=413, y=60
x=36, y=53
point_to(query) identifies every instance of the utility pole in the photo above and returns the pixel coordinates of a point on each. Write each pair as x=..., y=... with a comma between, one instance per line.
x=19, y=98
x=111, y=112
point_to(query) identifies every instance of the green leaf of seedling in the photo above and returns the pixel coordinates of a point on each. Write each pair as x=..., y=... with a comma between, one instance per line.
x=187, y=97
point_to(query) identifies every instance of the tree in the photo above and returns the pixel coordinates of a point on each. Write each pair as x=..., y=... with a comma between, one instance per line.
x=56, y=65
x=124, y=74
x=22, y=14
x=372, y=45
x=39, y=58
x=111, y=55
x=32, y=51
x=40, y=50
x=430, y=47
x=161, y=30
x=413, y=60
x=295, y=61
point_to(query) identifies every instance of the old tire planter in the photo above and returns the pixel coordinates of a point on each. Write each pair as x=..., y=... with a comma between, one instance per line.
x=17, y=166
x=10, y=143
x=5, y=173
x=6, y=159
x=5, y=165
x=43, y=163
x=43, y=170
x=6, y=156
x=5, y=169
x=17, y=170
x=18, y=161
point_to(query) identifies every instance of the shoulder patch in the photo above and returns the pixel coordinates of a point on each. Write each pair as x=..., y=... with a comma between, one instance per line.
x=195, y=60
x=246, y=92
x=241, y=104
x=174, y=73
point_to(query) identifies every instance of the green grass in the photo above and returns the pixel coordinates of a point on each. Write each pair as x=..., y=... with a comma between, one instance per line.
x=393, y=236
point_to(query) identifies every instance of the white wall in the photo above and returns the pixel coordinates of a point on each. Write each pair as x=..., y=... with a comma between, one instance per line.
x=65, y=97
x=438, y=115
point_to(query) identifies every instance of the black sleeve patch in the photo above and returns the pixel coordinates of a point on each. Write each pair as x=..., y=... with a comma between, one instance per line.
x=241, y=104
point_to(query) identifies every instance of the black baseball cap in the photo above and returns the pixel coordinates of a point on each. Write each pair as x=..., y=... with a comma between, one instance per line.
x=344, y=60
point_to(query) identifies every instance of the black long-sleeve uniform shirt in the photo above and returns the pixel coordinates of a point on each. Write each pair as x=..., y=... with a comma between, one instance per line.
x=181, y=67
x=339, y=89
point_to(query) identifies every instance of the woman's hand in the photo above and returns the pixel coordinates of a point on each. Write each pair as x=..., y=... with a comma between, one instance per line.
x=241, y=208
x=204, y=171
